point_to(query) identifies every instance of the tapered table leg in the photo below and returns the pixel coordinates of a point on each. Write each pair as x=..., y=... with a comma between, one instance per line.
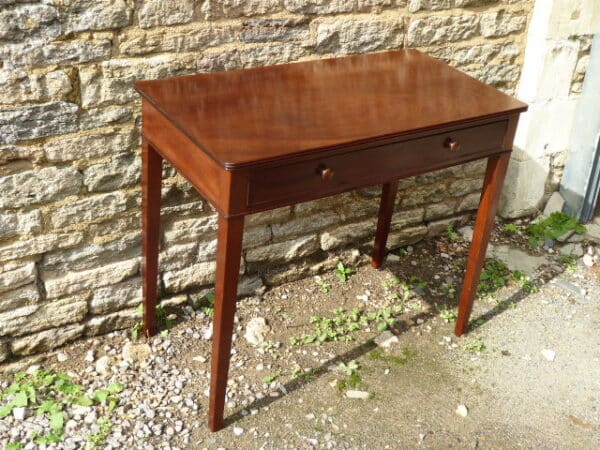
x=492, y=187
x=386, y=209
x=229, y=251
x=151, y=184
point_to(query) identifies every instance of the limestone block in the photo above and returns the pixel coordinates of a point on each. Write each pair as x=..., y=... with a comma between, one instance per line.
x=439, y=175
x=29, y=22
x=182, y=39
x=398, y=238
x=497, y=74
x=334, y=6
x=425, y=194
x=440, y=226
x=178, y=256
x=115, y=297
x=42, y=316
x=270, y=30
x=268, y=217
x=284, y=251
x=469, y=202
x=19, y=297
x=216, y=9
x=304, y=224
x=255, y=236
x=429, y=5
x=15, y=223
x=462, y=187
x=475, y=167
x=27, y=55
x=439, y=210
x=19, y=276
x=10, y=153
x=108, y=115
x=192, y=229
x=196, y=275
x=358, y=35
x=501, y=23
x=89, y=209
x=438, y=29
x=89, y=146
x=17, y=86
x=87, y=15
x=523, y=189
x=218, y=59
x=120, y=171
x=39, y=244
x=403, y=217
x=92, y=255
x=112, y=81
x=46, y=340
x=165, y=12
x=61, y=284
x=38, y=186
x=4, y=350
x=353, y=233
x=35, y=121
x=116, y=321
x=475, y=54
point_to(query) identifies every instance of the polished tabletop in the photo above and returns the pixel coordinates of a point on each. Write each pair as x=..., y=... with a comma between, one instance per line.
x=260, y=114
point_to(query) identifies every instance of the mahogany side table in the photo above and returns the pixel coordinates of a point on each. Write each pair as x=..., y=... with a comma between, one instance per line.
x=256, y=139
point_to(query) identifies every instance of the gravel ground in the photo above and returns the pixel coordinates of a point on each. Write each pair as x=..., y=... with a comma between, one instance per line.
x=526, y=376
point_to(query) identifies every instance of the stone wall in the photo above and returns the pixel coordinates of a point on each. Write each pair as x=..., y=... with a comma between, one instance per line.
x=70, y=138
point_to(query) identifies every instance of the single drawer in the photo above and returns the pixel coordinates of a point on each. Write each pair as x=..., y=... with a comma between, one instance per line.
x=320, y=176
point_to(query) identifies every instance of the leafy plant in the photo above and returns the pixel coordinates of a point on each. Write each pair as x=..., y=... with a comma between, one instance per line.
x=524, y=282
x=97, y=440
x=511, y=228
x=273, y=376
x=553, y=227
x=449, y=289
x=453, y=235
x=162, y=319
x=448, y=315
x=209, y=305
x=493, y=277
x=343, y=272
x=570, y=262
x=323, y=286
x=349, y=368
x=50, y=394
x=476, y=346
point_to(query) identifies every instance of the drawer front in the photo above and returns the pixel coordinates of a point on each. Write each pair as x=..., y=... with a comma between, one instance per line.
x=319, y=177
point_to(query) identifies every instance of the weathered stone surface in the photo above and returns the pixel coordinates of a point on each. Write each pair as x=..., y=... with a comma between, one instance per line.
x=465, y=186
x=181, y=39
x=108, y=115
x=425, y=194
x=469, y=202
x=436, y=5
x=89, y=146
x=85, y=15
x=216, y=60
x=117, y=296
x=406, y=236
x=90, y=209
x=255, y=236
x=38, y=186
x=161, y=12
x=19, y=297
x=347, y=234
x=403, y=217
x=358, y=35
x=475, y=167
x=269, y=30
x=190, y=229
x=304, y=224
x=196, y=275
x=284, y=251
x=268, y=217
x=93, y=255
x=436, y=29
x=35, y=121
x=29, y=22
x=58, y=285
x=178, y=256
x=112, y=81
x=439, y=175
x=10, y=153
x=4, y=350
x=12, y=224
x=38, y=245
x=46, y=340
x=475, y=54
x=17, y=86
x=497, y=74
x=19, y=276
x=115, y=321
x=119, y=172
x=28, y=54
x=439, y=210
x=215, y=9
x=500, y=23
x=334, y=6
x=41, y=316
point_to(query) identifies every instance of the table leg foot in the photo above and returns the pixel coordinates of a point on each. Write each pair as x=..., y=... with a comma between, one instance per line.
x=492, y=187
x=386, y=209
x=151, y=185
x=229, y=251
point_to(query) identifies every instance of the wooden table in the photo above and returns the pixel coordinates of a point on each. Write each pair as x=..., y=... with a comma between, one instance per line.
x=256, y=139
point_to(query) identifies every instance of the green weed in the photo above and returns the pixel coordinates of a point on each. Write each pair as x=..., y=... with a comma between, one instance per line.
x=494, y=276
x=476, y=346
x=452, y=234
x=343, y=272
x=448, y=315
x=553, y=227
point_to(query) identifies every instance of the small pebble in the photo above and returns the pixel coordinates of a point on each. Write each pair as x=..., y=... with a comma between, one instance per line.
x=548, y=354
x=462, y=410
x=238, y=431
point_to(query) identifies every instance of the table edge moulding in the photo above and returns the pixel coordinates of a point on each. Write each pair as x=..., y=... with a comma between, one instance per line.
x=256, y=139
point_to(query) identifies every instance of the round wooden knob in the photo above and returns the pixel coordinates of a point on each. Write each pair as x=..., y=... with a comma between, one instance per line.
x=326, y=173
x=453, y=145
